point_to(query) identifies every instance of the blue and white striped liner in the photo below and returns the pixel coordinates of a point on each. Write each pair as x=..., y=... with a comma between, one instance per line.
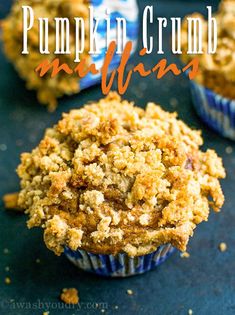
x=216, y=111
x=127, y=9
x=120, y=265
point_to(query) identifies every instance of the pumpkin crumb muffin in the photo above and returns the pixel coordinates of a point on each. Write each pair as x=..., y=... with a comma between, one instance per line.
x=111, y=177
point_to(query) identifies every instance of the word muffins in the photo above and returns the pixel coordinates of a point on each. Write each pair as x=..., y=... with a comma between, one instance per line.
x=70, y=31
x=115, y=187
x=213, y=89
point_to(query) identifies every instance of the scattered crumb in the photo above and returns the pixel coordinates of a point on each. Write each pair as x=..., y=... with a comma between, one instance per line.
x=11, y=201
x=116, y=307
x=229, y=150
x=129, y=292
x=38, y=261
x=190, y=312
x=3, y=147
x=7, y=268
x=6, y=251
x=69, y=296
x=174, y=102
x=185, y=255
x=222, y=247
x=102, y=311
x=45, y=313
x=7, y=280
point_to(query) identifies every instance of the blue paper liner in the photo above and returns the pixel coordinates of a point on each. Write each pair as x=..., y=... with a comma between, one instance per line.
x=126, y=9
x=216, y=111
x=120, y=265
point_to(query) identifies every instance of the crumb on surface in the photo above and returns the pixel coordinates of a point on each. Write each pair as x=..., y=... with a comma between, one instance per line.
x=11, y=201
x=129, y=292
x=3, y=147
x=38, y=261
x=6, y=251
x=102, y=311
x=229, y=150
x=7, y=268
x=184, y=255
x=222, y=246
x=69, y=296
x=116, y=307
x=46, y=313
x=7, y=280
x=190, y=312
x=174, y=102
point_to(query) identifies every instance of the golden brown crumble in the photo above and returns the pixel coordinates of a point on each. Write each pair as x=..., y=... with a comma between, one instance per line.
x=48, y=89
x=70, y=296
x=216, y=70
x=184, y=255
x=222, y=247
x=7, y=280
x=111, y=177
x=10, y=201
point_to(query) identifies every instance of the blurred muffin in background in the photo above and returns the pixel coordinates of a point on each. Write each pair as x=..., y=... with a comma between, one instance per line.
x=50, y=89
x=213, y=89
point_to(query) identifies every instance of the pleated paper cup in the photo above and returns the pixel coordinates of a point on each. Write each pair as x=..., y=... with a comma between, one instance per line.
x=120, y=265
x=215, y=110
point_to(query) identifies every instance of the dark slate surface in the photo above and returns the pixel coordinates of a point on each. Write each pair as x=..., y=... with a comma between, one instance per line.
x=204, y=283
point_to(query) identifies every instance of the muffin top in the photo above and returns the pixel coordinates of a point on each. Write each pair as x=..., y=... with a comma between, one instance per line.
x=221, y=63
x=111, y=177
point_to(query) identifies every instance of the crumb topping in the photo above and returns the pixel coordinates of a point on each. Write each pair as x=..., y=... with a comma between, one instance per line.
x=111, y=177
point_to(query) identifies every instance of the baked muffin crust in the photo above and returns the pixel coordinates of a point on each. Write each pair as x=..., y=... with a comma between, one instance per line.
x=111, y=177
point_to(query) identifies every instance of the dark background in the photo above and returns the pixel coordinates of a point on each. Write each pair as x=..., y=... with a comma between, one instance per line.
x=204, y=283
